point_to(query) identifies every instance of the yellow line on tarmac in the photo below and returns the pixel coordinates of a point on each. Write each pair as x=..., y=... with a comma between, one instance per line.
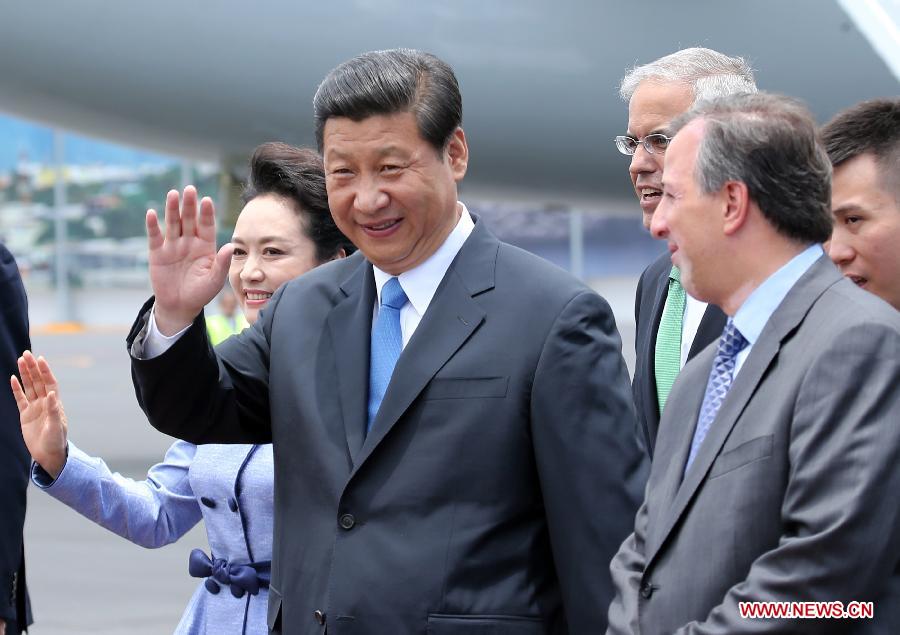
x=75, y=328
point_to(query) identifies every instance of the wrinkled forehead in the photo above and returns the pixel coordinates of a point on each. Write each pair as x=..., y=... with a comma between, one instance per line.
x=655, y=104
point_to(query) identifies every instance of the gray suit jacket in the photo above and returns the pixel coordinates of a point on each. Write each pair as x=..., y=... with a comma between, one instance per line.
x=493, y=488
x=795, y=493
x=649, y=302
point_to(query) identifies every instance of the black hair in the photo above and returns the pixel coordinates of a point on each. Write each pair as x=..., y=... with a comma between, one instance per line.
x=388, y=82
x=870, y=127
x=297, y=174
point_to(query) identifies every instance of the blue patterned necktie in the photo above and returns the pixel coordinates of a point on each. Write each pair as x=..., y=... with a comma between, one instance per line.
x=387, y=342
x=720, y=377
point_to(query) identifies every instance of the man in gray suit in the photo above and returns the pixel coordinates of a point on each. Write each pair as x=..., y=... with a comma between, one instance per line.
x=672, y=327
x=451, y=416
x=863, y=143
x=775, y=477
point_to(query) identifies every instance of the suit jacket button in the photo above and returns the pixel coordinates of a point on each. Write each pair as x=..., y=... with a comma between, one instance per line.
x=319, y=617
x=347, y=521
x=208, y=502
x=646, y=590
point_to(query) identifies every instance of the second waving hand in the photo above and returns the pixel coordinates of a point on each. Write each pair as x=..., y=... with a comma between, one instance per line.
x=186, y=270
x=43, y=419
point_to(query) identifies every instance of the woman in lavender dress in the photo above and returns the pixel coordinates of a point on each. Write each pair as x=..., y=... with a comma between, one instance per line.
x=284, y=230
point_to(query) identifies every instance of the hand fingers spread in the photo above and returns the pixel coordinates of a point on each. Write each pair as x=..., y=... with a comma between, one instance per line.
x=37, y=380
x=154, y=234
x=189, y=212
x=21, y=400
x=55, y=409
x=27, y=382
x=222, y=263
x=207, y=221
x=47, y=375
x=173, y=216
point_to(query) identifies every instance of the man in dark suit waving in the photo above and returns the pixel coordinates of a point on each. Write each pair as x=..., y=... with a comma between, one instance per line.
x=672, y=326
x=15, y=612
x=775, y=478
x=451, y=415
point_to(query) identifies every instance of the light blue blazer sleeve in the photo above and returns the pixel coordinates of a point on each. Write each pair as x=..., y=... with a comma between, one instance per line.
x=150, y=513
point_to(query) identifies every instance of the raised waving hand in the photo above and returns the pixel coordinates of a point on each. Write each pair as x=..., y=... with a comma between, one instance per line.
x=186, y=271
x=43, y=419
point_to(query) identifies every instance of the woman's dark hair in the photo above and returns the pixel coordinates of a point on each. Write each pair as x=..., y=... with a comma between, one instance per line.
x=298, y=175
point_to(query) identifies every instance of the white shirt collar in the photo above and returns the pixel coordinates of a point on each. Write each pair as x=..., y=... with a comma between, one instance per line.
x=421, y=282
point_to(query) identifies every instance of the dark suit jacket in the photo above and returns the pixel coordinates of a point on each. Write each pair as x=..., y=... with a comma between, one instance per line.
x=14, y=458
x=649, y=302
x=494, y=486
x=795, y=492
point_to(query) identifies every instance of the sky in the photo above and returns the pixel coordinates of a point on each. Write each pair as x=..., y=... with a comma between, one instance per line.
x=18, y=136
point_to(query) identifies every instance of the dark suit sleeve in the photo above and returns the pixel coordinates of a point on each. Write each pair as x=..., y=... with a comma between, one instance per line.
x=205, y=395
x=637, y=300
x=640, y=427
x=841, y=510
x=591, y=471
x=14, y=459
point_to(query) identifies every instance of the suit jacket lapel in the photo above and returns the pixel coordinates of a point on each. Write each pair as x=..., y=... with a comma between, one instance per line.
x=786, y=318
x=742, y=389
x=350, y=326
x=674, y=439
x=450, y=320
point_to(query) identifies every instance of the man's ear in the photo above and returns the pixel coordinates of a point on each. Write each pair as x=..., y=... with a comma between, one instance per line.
x=458, y=154
x=737, y=206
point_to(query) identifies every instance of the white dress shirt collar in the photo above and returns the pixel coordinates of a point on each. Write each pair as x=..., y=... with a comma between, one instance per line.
x=421, y=282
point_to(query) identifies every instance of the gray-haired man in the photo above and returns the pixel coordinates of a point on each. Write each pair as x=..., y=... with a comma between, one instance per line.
x=672, y=327
x=775, y=478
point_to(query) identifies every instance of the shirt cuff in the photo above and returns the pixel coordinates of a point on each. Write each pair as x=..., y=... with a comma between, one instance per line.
x=41, y=477
x=154, y=342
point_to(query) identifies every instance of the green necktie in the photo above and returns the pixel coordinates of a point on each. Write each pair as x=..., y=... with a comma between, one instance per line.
x=668, y=339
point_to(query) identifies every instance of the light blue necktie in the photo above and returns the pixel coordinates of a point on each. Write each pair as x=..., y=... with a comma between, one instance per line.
x=720, y=377
x=387, y=342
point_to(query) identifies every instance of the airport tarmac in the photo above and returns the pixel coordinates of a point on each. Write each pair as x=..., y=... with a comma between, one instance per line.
x=82, y=578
